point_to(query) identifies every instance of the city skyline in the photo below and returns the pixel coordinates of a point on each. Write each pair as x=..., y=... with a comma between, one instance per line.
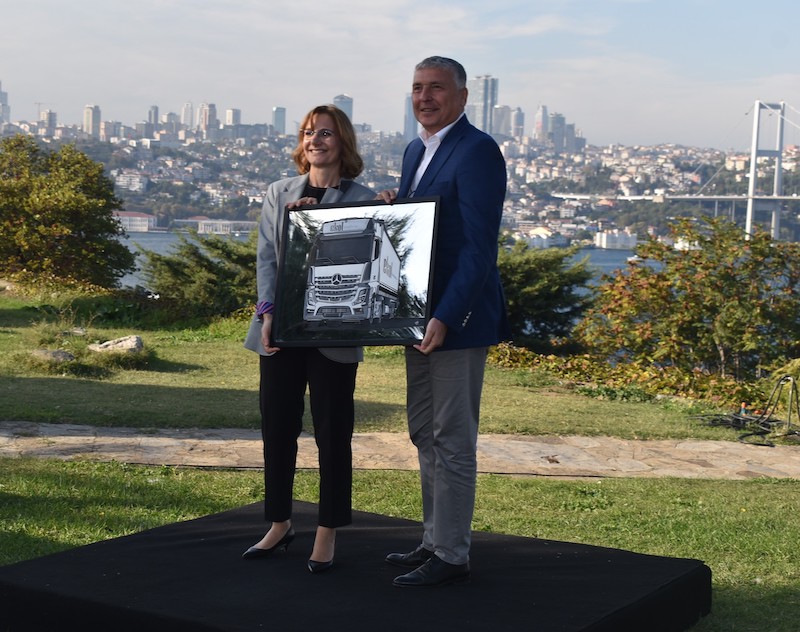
x=624, y=71
x=482, y=109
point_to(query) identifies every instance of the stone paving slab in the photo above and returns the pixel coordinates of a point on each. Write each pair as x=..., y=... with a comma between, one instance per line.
x=552, y=456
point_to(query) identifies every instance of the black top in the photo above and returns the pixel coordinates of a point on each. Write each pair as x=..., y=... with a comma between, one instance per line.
x=315, y=192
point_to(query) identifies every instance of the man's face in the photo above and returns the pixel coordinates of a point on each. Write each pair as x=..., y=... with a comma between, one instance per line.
x=436, y=99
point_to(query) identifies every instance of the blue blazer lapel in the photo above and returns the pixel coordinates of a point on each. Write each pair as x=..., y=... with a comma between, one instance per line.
x=442, y=154
x=411, y=161
x=438, y=161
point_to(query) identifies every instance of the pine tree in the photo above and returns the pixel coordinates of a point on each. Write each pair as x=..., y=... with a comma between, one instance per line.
x=545, y=294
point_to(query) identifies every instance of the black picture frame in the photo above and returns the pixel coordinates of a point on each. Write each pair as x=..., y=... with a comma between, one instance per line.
x=355, y=274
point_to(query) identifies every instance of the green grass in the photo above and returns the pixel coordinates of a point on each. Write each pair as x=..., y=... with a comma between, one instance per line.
x=743, y=530
x=203, y=377
x=214, y=383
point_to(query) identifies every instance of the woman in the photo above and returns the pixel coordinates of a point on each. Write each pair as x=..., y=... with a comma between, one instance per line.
x=327, y=160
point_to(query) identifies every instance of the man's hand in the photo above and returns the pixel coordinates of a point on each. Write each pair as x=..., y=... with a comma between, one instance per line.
x=435, y=333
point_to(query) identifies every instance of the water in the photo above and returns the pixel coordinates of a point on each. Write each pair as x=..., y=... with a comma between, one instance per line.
x=160, y=243
x=602, y=261
x=157, y=242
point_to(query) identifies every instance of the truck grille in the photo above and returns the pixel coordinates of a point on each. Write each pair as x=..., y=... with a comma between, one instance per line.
x=336, y=288
x=334, y=312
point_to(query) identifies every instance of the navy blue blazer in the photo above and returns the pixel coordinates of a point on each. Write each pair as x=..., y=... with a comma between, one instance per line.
x=468, y=174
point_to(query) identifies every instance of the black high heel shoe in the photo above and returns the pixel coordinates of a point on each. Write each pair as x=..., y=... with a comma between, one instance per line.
x=319, y=567
x=254, y=552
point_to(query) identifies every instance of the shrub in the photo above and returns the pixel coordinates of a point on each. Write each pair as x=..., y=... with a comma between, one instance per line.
x=635, y=381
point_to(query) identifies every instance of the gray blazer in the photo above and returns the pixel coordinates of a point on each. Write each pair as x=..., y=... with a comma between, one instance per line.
x=270, y=229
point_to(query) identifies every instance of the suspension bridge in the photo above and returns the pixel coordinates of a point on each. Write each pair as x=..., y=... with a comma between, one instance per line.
x=764, y=156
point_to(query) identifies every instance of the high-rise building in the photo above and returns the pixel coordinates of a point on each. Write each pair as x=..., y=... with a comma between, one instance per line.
x=170, y=122
x=152, y=115
x=541, y=125
x=187, y=115
x=469, y=111
x=518, y=123
x=91, y=120
x=482, y=100
x=207, y=117
x=501, y=120
x=558, y=132
x=144, y=129
x=410, y=124
x=110, y=129
x=48, y=121
x=345, y=104
x=580, y=142
x=233, y=116
x=279, y=119
x=569, y=138
x=5, y=109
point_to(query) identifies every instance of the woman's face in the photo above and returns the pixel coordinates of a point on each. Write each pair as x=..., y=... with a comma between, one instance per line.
x=322, y=148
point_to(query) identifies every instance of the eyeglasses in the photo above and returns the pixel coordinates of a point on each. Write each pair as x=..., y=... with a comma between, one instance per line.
x=323, y=133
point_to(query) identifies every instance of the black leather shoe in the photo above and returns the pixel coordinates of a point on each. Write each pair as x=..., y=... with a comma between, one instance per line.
x=415, y=559
x=434, y=572
x=254, y=552
x=319, y=567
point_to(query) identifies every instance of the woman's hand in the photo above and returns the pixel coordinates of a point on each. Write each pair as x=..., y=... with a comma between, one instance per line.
x=302, y=202
x=387, y=195
x=266, y=331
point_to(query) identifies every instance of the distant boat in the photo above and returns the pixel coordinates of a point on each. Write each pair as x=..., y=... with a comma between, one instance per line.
x=633, y=259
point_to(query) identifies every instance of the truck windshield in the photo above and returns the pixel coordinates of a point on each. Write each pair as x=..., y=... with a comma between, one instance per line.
x=341, y=249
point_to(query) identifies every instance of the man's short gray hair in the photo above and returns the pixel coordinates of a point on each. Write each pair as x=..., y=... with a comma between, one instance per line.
x=459, y=74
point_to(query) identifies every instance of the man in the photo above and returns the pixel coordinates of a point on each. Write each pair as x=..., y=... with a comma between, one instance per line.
x=463, y=167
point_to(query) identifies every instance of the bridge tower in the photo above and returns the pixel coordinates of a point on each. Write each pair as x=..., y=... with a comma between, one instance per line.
x=756, y=200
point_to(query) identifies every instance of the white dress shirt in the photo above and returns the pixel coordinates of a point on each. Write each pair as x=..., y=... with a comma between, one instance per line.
x=431, y=142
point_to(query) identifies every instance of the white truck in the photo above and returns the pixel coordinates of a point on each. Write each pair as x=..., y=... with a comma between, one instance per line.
x=353, y=272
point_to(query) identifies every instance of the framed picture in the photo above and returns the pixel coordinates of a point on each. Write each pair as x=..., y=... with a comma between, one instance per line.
x=355, y=275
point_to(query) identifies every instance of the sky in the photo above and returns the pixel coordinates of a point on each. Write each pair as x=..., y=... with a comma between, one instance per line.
x=632, y=72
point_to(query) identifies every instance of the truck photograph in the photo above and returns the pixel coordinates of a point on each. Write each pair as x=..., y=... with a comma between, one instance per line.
x=353, y=273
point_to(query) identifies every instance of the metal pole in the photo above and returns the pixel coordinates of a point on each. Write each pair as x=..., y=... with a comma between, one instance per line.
x=751, y=186
x=777, y=188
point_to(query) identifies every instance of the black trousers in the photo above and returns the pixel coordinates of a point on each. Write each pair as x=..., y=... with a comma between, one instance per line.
x=331, y=385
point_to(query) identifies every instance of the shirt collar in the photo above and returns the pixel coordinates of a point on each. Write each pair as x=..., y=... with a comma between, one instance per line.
x=438, y=137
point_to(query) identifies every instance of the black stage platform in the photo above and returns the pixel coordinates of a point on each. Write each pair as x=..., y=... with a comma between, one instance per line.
x=189, y=576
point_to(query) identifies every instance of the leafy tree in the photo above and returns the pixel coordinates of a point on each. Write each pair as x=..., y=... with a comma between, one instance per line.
x=545, y=295
x=57, y=217
x=205, y=276
x=724, y=305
